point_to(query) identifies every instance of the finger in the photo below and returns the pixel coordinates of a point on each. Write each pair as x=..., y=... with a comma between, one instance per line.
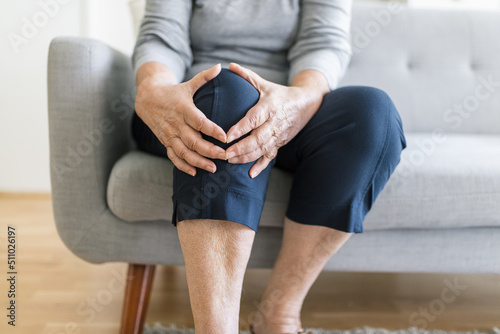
x=258, y=137
x=179, y=163
x=198, y=121
x=247, y=74
x=254, y=155
x=254, y=118
x=203, y=77
x=243, y=159
x=192, y=158
x=261, y=164
x=195, y=142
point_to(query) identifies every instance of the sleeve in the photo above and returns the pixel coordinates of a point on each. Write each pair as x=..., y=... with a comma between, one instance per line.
x=323, y=39
x=164, y=36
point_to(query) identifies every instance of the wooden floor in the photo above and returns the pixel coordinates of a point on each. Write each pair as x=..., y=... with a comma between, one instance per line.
x=59, y=293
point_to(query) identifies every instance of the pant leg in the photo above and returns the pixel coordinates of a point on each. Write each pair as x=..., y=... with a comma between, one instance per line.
x=229, y=193
x=343, y=158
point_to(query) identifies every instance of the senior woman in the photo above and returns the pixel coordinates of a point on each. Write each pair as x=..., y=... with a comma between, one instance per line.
x=275, y=103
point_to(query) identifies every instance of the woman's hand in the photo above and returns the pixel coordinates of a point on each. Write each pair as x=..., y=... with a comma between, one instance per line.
x=169, y=111
x=281, y=112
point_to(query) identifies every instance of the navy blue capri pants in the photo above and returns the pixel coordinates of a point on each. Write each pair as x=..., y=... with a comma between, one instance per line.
x=341, y=159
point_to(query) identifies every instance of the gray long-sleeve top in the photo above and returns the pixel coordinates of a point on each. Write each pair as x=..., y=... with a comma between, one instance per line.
x=275, y=38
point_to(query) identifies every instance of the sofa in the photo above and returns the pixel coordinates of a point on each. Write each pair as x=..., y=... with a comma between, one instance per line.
x=439, y=212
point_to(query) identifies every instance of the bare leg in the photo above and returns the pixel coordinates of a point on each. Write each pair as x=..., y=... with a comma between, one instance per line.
x=304, y=252
x=216, y=254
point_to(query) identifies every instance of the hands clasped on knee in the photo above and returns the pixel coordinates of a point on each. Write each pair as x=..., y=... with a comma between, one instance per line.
x=169, y=110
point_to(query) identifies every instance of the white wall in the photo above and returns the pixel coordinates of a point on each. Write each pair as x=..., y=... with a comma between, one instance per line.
x=109, y=21
x=457, y=4
x=24, y=148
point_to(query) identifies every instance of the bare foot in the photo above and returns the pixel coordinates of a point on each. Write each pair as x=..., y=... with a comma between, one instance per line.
x=281, y=325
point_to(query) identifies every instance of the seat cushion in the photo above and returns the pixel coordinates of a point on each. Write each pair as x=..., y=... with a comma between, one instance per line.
x=448, y=181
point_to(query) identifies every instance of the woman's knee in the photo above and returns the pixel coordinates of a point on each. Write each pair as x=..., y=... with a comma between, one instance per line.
x=374, y=117
x=226, y=99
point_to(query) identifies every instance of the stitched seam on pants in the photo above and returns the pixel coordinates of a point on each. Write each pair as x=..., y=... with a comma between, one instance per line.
x=215, y=105
x=243, y=194
x=212, y=117
x=384, y=148
x=199, y=96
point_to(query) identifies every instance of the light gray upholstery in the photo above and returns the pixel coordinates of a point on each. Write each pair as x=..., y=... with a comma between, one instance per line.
x=428, y=61
x=438, y=213
x=454, y=186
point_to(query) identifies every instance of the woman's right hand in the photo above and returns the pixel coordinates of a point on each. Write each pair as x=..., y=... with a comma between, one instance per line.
x=169, y=111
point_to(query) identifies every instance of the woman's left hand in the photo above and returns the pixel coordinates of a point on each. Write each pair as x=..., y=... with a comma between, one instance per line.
x=280, y=113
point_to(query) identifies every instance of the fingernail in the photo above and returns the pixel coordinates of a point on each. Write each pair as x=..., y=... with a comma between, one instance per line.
x=229, y=139
x=211, y=169
x=253, y=174
x=192, y=173
x=230, y=155
x=232, y=160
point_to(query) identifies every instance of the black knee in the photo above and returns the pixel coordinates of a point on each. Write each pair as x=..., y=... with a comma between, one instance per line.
x=375, y=121
x=226, y=99
x=229, y=193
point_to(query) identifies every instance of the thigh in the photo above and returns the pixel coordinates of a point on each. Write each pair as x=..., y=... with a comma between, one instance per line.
x=343, y=157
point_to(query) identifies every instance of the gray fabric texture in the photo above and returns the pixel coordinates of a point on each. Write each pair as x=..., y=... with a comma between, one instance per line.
x=445, y=184
x=277, y=39
x=159, y=329
x=91, y=85
x=433, y=63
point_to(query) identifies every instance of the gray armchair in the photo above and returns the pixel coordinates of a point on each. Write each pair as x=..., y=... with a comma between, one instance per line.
x=112, y=202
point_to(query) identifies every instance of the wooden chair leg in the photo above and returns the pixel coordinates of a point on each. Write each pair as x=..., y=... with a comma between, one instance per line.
x=137, y=292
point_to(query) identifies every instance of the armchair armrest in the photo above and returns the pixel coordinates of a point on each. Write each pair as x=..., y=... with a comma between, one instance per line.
x=90, y=103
